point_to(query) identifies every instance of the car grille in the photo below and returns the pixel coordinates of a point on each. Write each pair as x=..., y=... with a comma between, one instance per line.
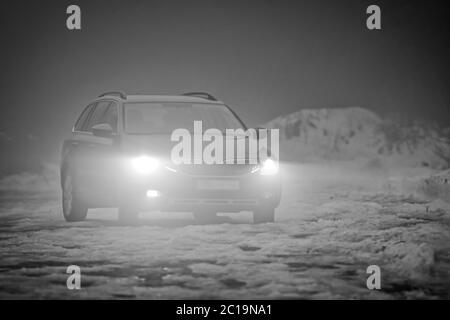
x=216, y=170
x=214, y=201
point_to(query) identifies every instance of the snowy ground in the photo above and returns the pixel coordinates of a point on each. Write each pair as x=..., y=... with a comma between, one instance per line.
x=332, y=223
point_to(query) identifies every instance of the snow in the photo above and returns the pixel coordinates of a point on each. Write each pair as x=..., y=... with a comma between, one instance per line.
x=335, y=219
x=357, y=134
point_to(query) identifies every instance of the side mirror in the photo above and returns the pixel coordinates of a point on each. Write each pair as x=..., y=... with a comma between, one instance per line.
x=103, y=130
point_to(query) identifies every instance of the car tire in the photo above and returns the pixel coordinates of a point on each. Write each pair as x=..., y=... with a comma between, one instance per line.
x=264, y=215
x=73, y=208
x=205, y=216
x=128, y=214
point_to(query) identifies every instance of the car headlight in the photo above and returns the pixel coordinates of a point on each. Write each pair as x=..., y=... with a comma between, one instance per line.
x=269, y=167
x=145, y=165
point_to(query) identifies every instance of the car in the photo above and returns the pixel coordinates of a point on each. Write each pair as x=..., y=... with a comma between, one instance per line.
x=119, y=156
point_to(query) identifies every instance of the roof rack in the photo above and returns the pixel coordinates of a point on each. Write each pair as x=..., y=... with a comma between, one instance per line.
x=203, y=95
x=114, y=93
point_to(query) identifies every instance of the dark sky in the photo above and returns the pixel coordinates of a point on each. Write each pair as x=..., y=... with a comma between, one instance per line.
x=263, y=58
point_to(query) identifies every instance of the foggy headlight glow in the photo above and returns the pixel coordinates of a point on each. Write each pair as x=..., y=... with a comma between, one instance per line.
x=153, y=194
x=269, y=167
x=145, y=165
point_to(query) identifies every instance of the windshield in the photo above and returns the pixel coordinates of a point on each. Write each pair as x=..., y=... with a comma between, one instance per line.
x=165, y=117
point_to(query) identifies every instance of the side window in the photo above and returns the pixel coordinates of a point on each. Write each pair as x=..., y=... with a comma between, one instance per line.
x=97, y=115
x=110, y=116
x=82, y=119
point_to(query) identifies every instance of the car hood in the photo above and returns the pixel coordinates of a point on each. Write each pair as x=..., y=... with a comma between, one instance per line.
x=158, y=145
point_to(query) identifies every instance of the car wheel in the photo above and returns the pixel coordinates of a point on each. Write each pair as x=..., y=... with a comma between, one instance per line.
x=128, y=214
x=73, y=207
x=264, y=215
x=205, y=216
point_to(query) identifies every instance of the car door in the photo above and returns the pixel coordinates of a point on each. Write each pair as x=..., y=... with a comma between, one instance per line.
x=105, y=154
x=73, y=159
x=95, y=157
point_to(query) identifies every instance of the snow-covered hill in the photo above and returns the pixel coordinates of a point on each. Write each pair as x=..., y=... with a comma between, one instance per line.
x=355, y=133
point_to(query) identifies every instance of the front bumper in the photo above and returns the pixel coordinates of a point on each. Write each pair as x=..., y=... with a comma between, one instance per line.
x=179, y=191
